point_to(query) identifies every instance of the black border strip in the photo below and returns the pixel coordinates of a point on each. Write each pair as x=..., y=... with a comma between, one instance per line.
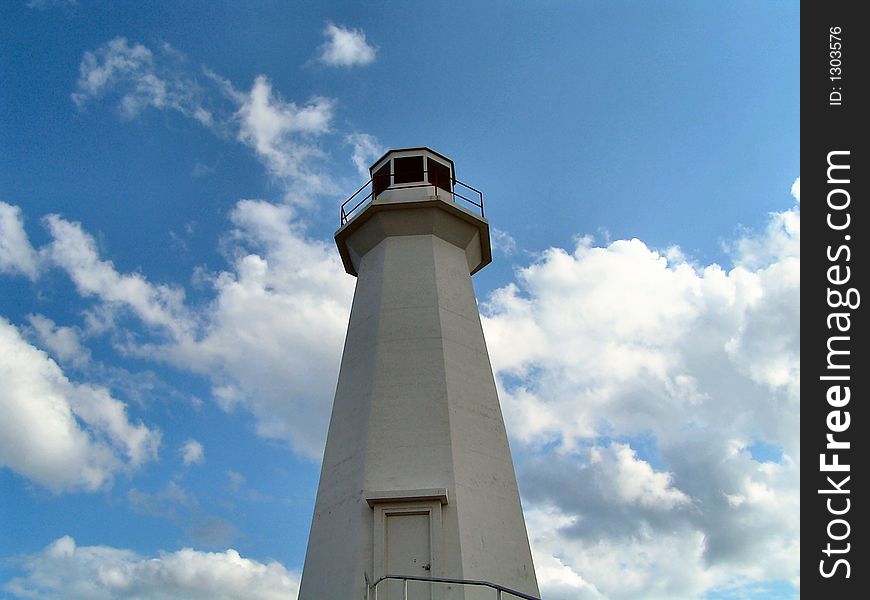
x=834, y=262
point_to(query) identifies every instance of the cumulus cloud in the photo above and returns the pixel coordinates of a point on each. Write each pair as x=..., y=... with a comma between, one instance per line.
x=670, y=558
x=634, y=481
x=574, y=323
x=59, y=434
x=66, y=570
x=608, y=492
x=345, y=47
x=16, y=253
x=192, y=453
x=651, y=565
x=635, y=384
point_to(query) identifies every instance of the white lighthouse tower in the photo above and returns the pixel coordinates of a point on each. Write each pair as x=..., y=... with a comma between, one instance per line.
x=417, y=496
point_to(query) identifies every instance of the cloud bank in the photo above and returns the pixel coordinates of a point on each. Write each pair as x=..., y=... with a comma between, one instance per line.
x=639, y=387
x=65, y=570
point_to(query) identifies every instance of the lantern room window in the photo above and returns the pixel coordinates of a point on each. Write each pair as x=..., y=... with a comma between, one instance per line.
x=408, y=169
x=439, y=174
x=381, y=179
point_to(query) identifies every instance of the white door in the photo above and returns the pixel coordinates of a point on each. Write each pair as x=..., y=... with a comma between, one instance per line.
x=408, y=553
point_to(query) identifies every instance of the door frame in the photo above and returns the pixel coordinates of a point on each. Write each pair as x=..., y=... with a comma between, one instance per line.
x=432, y=508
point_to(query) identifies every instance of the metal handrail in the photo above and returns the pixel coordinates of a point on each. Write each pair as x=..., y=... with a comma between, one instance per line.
x=347, y=213
x=500, y=589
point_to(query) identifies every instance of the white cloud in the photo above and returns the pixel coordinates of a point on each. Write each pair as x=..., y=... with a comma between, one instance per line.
x=602, y=352
x=192, y=453
x=634, y=481
x=142, y=79
x=780, y=242
x=366, y=150
x=62, y=435
x=275, y=329
x=117, y=61
x=502, y=242
x=270, y=340
x=649, y=565
x=75, y=251
x=345, y=47
x=65, y=570
x=63, y=342
x=716, y=544
x=574, y=324
x=280, y=132
x=796, y=189
x=16, y=253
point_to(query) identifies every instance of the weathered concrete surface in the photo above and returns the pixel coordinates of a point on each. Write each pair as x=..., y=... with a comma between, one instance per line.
x=416, y=415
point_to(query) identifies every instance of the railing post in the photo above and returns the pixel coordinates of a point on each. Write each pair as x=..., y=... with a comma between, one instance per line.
x=405, y=590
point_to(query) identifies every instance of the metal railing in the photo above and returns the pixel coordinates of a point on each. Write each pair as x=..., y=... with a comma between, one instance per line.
x=501, y=592
x=347, y=213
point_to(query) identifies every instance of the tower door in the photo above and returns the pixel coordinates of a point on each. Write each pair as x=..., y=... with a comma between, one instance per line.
x=409, y=552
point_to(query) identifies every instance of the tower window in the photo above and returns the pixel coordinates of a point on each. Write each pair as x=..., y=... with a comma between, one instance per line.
x=381, y=179
x=408, y=169
x=439, y=174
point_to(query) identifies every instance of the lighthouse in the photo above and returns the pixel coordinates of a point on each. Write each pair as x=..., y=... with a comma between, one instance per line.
x=417, y=496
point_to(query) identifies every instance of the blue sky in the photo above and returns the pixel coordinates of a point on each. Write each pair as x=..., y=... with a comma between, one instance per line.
x=170, y=183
